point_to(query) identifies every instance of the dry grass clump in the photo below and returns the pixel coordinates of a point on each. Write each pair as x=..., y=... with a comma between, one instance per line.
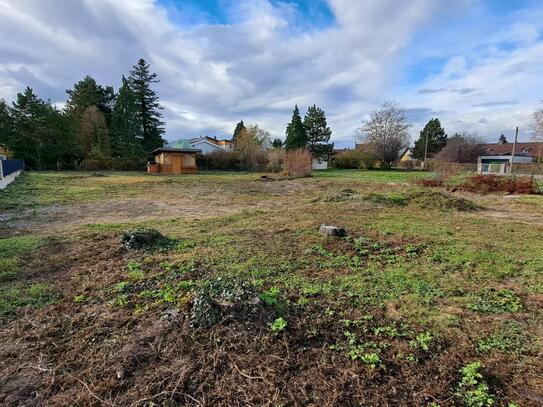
x=297, y=163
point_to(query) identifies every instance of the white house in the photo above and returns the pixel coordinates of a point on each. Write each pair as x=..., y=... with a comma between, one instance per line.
x=211, y=144
x=500, y=164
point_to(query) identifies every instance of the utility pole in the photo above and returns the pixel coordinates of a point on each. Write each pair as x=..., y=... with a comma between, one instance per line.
x=513, y=151
x=425, y=151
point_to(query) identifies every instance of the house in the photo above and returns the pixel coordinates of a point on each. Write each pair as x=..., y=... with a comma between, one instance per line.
x=500, y=164
x=211, y=144
x=498, y=158
x=406, y=155
x=177, y=159
x=530, y=149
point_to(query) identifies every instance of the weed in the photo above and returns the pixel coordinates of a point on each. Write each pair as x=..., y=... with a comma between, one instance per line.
x=508, y=337
x=422, y=341
x=34, y=296
x=491, y=301
x=472, y=389
x=278, y=325
x=270, y=297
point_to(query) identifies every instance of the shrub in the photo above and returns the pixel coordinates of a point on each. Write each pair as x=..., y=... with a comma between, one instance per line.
x=276, y=158
x=114, y=164
x=220, y=160
x=353, y=159
x=297, y=163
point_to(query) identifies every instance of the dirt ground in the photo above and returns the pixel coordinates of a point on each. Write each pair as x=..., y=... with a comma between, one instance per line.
x=387, y=316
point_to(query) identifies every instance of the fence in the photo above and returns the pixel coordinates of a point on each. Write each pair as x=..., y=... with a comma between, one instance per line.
x=8, y=167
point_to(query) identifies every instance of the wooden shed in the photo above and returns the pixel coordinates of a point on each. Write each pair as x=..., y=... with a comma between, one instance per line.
x=174, y=161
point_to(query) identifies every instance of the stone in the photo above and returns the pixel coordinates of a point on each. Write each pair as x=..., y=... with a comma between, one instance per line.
x=334, y=231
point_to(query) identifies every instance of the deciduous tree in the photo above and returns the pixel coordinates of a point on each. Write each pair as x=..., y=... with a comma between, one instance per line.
x=386, y=133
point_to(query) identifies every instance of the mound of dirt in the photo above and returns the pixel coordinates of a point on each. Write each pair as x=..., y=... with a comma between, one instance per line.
x=441, y=201
x=221, y=298
x=484, y=184
x=430, y=182
x=141, y=239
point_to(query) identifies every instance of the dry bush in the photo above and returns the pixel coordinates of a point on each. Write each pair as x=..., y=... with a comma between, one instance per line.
x=495, y=183
x=276, y=157
x=408, y=164
x=297, y=163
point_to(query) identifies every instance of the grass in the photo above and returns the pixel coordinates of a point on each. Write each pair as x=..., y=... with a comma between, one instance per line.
x=417, y=283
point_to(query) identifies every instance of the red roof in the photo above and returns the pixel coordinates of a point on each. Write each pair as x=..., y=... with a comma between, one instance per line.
x=533, y=149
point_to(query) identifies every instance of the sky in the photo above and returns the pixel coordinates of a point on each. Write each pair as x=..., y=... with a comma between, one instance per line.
x=477, y=65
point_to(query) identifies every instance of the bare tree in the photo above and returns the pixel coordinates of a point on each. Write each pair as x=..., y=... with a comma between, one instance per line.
x=386, y=133
x=462, y=148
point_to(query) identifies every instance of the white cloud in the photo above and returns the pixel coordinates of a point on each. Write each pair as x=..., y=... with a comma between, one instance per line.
x=264, y=60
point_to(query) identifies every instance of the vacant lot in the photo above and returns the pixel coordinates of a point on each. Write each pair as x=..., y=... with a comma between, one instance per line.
x=432, y=299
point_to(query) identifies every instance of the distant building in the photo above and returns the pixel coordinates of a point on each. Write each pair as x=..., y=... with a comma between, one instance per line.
x=211, y=144
x=499, y=159
x=178, y=157
x=530, y=149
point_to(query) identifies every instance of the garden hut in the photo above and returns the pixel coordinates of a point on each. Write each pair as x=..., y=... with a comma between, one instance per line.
x=179, y=158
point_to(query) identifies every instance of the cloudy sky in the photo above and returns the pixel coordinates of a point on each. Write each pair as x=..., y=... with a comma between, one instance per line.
x=476, y=65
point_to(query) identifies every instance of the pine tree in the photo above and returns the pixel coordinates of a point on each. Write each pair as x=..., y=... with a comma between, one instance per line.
x=86, y=93
x=239, y=127
x=41, y=136
x=148, y=106
x=126, y=129
x=437, y=139
x=7, y=126
x=502, y=140
x=318, y=133
x=277, y=143
x=296, y=135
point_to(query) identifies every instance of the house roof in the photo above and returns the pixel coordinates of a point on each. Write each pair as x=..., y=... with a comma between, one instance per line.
x=177, y=150
x=213, y=140
x=533, y=149
x=181, y=143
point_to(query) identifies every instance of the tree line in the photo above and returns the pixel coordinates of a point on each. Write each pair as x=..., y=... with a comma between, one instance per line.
x=94, y=123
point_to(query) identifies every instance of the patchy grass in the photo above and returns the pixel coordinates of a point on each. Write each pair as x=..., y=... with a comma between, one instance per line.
x=248, y=303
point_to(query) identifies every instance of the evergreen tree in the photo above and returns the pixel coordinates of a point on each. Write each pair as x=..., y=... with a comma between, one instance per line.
x=318, y=133
x=277, y=143
x=7, y=126
x=502, y=140
x=239, y=127
x=86, y=93
x=126, y=130
x=296, y=135
x=437, y=139
x=41, y=136
x=148, y=107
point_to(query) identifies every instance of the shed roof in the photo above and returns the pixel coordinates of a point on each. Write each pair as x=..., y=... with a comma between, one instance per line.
x=531, y=148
